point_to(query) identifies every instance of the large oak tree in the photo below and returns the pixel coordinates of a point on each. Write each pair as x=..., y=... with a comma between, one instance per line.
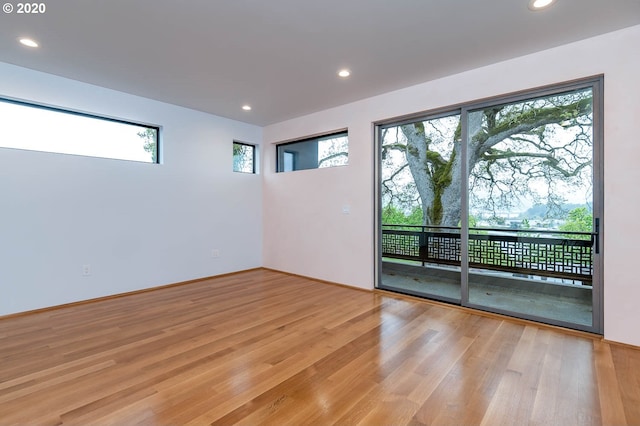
x=511, y=148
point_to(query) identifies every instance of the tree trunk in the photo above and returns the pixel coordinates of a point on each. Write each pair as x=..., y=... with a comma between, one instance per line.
x=439, y=183
x=451, y=203
x=416, y=154
x=452, y=193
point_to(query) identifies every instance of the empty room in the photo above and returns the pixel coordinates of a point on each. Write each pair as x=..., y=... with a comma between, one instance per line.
x=300, y=212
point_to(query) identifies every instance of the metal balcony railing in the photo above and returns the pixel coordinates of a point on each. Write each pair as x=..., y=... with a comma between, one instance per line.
x=558, y=254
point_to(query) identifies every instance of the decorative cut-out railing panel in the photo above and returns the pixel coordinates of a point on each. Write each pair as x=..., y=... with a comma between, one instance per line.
x=567, y=255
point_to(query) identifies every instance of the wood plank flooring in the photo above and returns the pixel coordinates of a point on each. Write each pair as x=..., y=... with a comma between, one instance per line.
x=261, y=347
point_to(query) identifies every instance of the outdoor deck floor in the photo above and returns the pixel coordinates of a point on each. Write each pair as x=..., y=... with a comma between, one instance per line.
x=530, y=300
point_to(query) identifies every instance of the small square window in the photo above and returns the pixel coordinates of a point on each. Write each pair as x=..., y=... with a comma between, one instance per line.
x=244, y=157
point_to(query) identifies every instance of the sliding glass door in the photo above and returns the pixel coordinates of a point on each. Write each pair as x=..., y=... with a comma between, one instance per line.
x=497, y=205
x=420, y=208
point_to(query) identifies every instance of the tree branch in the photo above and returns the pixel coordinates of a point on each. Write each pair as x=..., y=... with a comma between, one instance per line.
x=529, y=121
x=551, y=161
x=332, y=156
x=396, y=173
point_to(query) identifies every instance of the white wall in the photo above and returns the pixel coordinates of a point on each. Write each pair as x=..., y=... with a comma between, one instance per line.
x=138, y=225
x=306, y=233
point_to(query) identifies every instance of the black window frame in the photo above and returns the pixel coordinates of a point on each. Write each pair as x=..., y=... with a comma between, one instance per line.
x=285, y=148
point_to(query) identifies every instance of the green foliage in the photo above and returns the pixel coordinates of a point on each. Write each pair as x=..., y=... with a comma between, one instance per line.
x=579, y=220
x=237, y=150
x=392, y=215
x=473, y=223
x=150, y=137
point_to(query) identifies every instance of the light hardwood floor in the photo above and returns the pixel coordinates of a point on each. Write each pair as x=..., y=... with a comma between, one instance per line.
x=262, y=347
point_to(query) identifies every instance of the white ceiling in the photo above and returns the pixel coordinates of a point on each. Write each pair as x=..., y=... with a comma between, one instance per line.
x=281, y=56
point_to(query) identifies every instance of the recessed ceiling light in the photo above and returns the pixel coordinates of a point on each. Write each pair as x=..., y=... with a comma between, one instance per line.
x=246, y=107
x=344, y=73
x=539, y=4
x=28, y=42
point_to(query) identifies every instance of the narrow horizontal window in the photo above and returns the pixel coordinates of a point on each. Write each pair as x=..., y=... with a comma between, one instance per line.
x=244, y=157
x=40, y=128
x=313, y=153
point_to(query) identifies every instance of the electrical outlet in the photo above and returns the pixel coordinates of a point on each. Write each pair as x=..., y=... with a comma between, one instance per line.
x=86, y=270
x=215, y=253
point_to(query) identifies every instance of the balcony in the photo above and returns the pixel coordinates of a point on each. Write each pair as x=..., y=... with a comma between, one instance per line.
x=543, y=273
